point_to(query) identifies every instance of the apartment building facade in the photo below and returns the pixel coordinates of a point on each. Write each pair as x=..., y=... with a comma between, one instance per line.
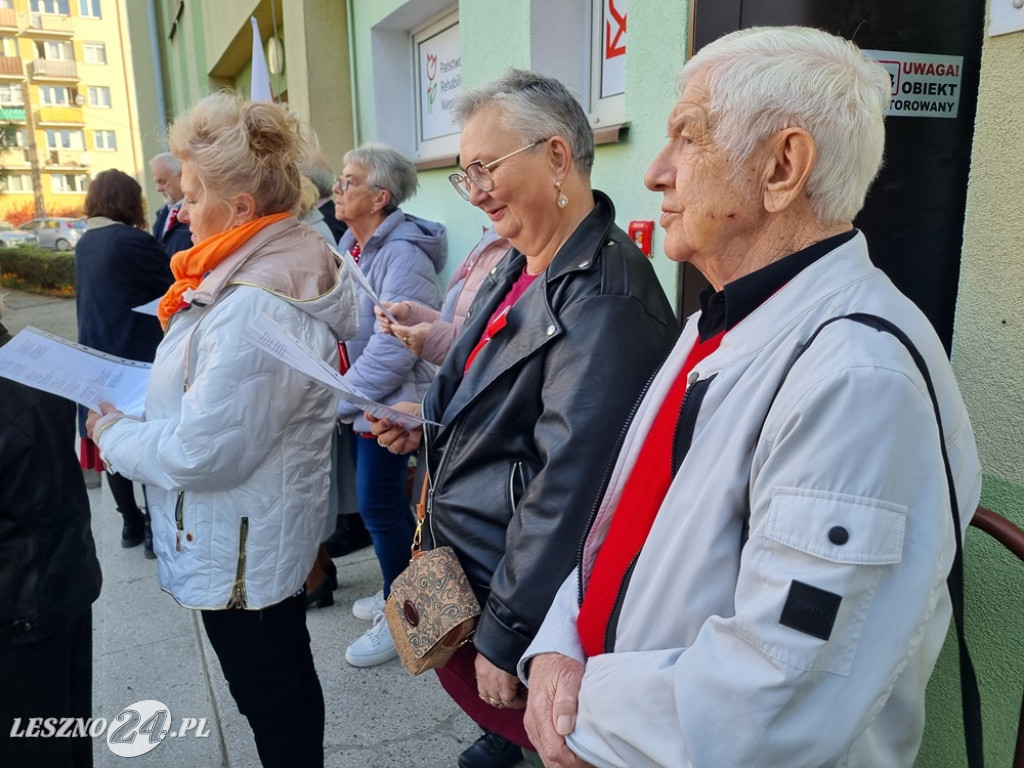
x=67, y=92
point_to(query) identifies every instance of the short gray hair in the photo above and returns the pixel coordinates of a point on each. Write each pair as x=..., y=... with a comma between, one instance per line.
x=386, y=168
x=166, y=158
x=764, y=79
x=316, y=168
x=534, y=107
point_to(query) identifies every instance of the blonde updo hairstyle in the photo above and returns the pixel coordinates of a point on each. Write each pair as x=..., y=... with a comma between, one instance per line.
x=237, y=146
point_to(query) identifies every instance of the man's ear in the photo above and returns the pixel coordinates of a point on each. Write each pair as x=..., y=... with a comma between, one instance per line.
x=791, y=154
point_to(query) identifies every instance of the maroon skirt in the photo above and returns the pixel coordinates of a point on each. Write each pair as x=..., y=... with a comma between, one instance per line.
x=458, y=678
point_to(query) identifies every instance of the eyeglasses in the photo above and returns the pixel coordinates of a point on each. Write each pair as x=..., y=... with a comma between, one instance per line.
x=345, y=183
x=479, y=174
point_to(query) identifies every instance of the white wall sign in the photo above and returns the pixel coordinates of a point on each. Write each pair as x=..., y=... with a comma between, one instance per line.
x=613, y=57
x=923, y=84
x=1005, y=16
x=439, y=63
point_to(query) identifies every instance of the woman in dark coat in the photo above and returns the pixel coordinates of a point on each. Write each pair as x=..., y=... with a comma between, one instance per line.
x=529, y=405
x=49, y=577
x=118, y=266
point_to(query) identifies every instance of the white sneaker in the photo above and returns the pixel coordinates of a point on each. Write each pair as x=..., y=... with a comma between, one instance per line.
x=373, y=647
x=366, y=608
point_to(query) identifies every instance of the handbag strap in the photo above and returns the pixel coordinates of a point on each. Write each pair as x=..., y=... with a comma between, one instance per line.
x=970, y=698
x=421, y=516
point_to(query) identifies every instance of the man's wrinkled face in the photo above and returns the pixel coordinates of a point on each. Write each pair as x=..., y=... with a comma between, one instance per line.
x=167, y=183
x=710, y=206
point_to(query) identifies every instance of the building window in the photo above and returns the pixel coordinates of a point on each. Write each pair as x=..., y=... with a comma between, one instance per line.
x=50, y=6
x=90, y=8
x=409, y=47
x=56, y=139
x=9, y=47
x=16, y=182
x=104, y=140
x=608, y=62
x=55, y=50
x=592, y=65
x=11, y=95
x=7, y=4
x=94, y=53
x=99, y=96
x=54, y=96
x=69, y=182
x=438, y=81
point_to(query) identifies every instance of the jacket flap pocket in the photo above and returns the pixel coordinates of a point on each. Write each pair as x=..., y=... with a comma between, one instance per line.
x=837, y=527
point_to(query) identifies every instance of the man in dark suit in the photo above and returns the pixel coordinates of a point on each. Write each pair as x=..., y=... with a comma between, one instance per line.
x=318, y=170
x=172, y=234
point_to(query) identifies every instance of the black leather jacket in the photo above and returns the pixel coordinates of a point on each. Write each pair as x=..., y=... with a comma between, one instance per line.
x=49, y=573
x=530, y=432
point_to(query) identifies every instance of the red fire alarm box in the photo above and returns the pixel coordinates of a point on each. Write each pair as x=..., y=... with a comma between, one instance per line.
x=642, y=233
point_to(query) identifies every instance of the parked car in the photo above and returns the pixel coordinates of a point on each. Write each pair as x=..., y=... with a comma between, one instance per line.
x=11, y=236
x=54, y=232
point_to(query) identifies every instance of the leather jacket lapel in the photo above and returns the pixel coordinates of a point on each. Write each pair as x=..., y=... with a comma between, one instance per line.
x=531, y=325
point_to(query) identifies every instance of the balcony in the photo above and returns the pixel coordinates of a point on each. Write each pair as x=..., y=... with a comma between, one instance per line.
x=67, y=158
x=8, y=19
x=14, y=158
x=49, y=25
x=53, y=69
x=10, y=66
x=46, y=116
x=12, y=114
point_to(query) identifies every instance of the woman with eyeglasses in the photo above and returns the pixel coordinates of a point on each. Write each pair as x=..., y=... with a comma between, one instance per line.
x=533, y=395
x=400, y=255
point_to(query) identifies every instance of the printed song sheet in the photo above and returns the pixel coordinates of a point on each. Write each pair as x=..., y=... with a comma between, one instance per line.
x=43, y=361
x=363, y=283
x=276, y=341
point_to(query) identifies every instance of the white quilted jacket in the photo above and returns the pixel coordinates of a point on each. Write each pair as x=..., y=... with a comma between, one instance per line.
x=235, y=446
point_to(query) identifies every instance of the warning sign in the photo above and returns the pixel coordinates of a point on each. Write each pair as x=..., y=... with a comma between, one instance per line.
x=923, y=84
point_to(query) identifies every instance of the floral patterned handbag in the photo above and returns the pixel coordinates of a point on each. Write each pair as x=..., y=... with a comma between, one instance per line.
x=431, y=610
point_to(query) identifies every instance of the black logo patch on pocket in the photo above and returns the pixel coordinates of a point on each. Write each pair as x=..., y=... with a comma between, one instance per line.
x=810, y=610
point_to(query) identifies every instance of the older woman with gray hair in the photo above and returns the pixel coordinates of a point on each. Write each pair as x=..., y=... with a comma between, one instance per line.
x=531, y=398
x=400, y=255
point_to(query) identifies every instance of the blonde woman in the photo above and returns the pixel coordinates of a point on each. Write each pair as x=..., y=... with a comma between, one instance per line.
x=235, y=446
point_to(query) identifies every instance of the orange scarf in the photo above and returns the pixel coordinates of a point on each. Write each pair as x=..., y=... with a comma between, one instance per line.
x=190, y=267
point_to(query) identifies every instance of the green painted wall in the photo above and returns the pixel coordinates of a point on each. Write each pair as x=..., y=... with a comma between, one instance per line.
x=657, y=25
x=988, y=357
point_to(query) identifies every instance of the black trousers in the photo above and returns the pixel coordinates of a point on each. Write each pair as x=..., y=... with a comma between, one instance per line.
x=267, y=661
x=51, y=677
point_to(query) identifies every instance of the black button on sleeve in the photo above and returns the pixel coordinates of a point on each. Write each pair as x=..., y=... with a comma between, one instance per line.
x=838, y=535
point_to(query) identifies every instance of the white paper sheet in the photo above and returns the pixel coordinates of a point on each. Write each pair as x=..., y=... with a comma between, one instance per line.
x=363, y=283
x=43, y=361
x=149, y=308
x=276, y=341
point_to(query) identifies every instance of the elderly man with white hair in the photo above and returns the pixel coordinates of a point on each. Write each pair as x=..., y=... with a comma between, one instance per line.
x=172, y=234
x=764, y=581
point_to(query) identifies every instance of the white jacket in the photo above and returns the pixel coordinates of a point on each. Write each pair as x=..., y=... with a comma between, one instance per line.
x=235, y=447
x=704, y=672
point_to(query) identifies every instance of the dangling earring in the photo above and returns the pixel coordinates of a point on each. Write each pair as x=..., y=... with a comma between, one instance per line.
x=561, y=200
